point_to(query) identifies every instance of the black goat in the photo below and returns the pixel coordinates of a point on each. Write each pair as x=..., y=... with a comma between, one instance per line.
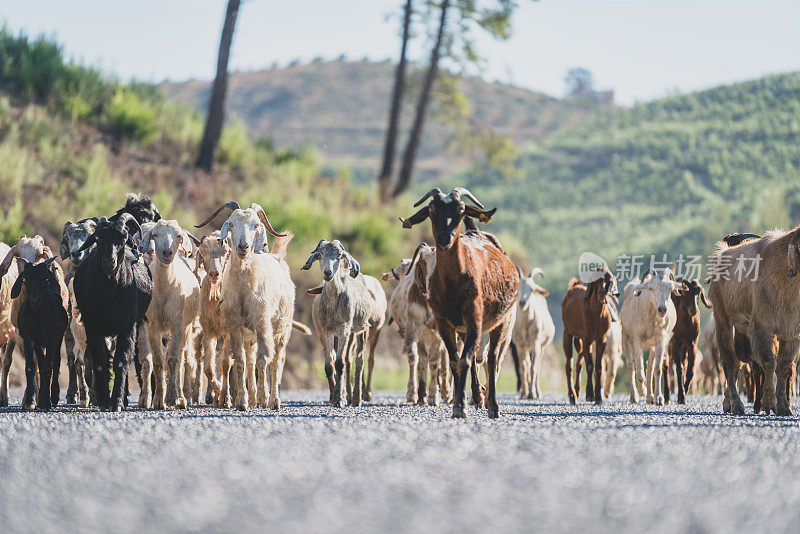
x=113, y=288
x=42, y=321
x=140, y=206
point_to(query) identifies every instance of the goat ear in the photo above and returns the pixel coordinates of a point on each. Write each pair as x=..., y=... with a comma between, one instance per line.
x=13, y=253
x=315, y=290
x=355, y=268
x=17, y=287
x=588, y=293
x=477, y=213
x=421, y=277
x=704, y=299
x=417, y=218
x=310, y=261
x=223, y=232
x=89, y=242
x=542, y=291
x=144, y=244
x=63, y=246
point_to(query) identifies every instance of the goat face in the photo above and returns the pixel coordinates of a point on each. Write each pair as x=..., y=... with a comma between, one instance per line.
x=168, y=237
x=330, y=254
x=689, y=294
x=214, y=254
x=446, y=213
x=73, y=237
x=39, y=280
x=247, y=227
x=660, y=290
x=111, y=238
x=527, y=288
x=30, y=249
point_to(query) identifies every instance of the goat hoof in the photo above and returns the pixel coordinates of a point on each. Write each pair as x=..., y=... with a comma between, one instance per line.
x=355, y=403
x=572, y=400
x=493, y=414
x=784, y=411
x=737, y=408
x=242, y=407
x=433, y=400
x=275, y=404
x=411, y=399
x=598, y=402
x=72, y=399
x=422, y=401
x=209, y=399
x=143, y=403
x=181, y=404
x=459, y=412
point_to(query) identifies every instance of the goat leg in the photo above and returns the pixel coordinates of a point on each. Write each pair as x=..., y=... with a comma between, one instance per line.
x=69, y=347
x=5, y=367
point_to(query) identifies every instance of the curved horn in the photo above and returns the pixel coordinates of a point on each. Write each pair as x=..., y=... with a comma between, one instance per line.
x=415, y=256
x=126, y=219
x=434, y=191
x=535, y=271
x=519, y=272
x=95, y=219
x=233, y=205
x=264, y=220
x=13, y=253
x=736, y=239
x=193, y=238
x=417, y=218
x=463, y=191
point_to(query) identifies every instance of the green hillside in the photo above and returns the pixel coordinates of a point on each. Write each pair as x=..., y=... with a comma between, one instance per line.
x=341, y=108
x=670, y=176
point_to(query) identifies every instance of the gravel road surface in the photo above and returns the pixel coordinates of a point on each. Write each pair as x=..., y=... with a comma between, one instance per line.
x=388, y=467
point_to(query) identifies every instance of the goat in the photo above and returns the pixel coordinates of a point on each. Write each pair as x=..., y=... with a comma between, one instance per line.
x=682, y=346
x=174, y=305
x=648, y=317
x=113, y=289
x=764, y=305
x=79, y=347
x=341, y=314
x=376, y=322
x=472, y=290
x=141, y=207
x=409, y=308
x=257, y=300
x=612, y=357
x=713, y=378
x=32, y=250
x=42, y=322
x=73, y=236
x=587, y=319
x=533, y=331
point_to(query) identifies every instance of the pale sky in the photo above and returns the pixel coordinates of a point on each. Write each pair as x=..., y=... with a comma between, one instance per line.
x=643, y=49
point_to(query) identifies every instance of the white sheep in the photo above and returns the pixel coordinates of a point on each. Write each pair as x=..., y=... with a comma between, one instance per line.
x=409, y=309
x=341, y=312
x=533, y=331
x=648, y=317
x=174, y=306
x=257, y=301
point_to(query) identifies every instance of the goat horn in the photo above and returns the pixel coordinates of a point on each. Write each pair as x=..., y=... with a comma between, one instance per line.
x=13, y=253
x=736, y=239
x=519, y=271
x=313, y=257
x=434, y=191
x=95, y=219
x=458, y=192
x=535, y=271
x=415, y=256
x=127, y=218
x=233, y=205
x=193, y=238
x=264, y=220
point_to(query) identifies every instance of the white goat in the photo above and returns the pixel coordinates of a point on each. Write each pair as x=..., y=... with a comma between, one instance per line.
x=409, y=309
x=376, y=321
x=257, y=300
x=648, y=317
x=33, y=250
x=174, y=306
x=533, y=332
x=341, y=314
x=612, y=357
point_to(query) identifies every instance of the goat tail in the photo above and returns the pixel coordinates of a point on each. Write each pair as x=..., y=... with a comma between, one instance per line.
x=280, y=245
x=297, y=325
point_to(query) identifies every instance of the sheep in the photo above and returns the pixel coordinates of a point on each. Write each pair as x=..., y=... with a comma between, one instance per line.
x=533, y=331
x=113, y=289
x=683, y=343
x=472, y=290
x=409, y=309
x=42, y=321
x=763, y=304
x=257, y=299
x=341, y=314
x=648, y=317
x=32, y=250
x=587, y=318
x=612, y=356
x=73, y=236
x=174, y=305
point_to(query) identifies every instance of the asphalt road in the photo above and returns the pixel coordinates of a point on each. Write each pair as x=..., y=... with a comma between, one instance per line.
x=387, y=467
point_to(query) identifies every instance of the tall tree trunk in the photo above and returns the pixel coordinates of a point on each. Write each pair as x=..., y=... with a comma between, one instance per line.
x=384, y=180
x=216, y=107
x=414, y=138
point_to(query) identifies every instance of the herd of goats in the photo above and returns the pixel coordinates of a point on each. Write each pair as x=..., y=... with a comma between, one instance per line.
x=139, y=288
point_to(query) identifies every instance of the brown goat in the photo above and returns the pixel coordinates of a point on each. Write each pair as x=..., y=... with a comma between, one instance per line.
x=762, y=307
x=682, y=348
x=472, y=290
x=587, y=318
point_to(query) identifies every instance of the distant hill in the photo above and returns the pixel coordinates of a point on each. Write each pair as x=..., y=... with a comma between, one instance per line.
x=669, y=176
x=341, y=107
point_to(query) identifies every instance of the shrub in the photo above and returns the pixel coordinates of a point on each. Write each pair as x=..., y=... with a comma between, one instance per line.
x=130, y=117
